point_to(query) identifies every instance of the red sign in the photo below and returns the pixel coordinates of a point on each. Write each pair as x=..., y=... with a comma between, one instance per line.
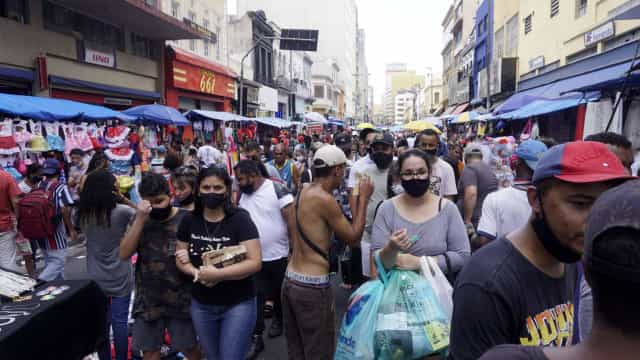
x=200, y=80
x=43, y=75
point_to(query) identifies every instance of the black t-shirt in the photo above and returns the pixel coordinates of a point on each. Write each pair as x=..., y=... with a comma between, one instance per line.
x=502, y=298
x=232, y=230
x=515, y=352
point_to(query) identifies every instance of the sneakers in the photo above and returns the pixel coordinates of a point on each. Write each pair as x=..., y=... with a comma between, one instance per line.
x=276, y=328
x=256, y=347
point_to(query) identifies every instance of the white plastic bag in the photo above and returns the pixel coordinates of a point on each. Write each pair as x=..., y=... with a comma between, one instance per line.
x=441, y=286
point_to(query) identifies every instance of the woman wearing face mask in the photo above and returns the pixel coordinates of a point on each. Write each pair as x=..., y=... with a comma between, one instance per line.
x=104, y=222
x=223, y=305
x=418, y=223
x=185, y=180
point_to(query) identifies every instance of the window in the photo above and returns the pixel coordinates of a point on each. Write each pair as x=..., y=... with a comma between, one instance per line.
x=436, y=98
x=205, y=23
x=218, y=40
x=16, y=10
x=206, y=48
x=141, y=46
x=318, y=91
x=192, y=45
x=175, y=10
x=581, y=8
x=498, y=43
x=555, y=7
x=511, y=37
x=527, y=25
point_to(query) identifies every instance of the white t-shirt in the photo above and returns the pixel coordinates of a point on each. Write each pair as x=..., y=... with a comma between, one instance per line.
x=503, y=212
x=358, y=167
x=208, y=156
x=265, y=210
x=443, y=180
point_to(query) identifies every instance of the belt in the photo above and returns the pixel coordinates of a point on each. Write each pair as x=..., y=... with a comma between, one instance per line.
x=308, y=280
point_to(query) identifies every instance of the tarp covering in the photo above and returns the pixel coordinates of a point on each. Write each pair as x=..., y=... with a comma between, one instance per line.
x=215, y=115
x=157, y=114
x=542, y=107
x=515, y=102
x=272, y=121
x=47, y=109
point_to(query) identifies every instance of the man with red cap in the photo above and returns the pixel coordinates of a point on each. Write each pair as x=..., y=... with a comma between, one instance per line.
x=522, y=289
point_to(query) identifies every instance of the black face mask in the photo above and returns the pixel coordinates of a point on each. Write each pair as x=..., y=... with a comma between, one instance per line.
x=415, y=187
x=382, y=160
x=550, y=242
x=433, y=152
x=187, y=201
x=213, y=200
x=160, y=214
x=247, y=189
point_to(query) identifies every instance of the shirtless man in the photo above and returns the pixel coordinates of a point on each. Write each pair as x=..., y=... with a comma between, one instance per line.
x=307, y=298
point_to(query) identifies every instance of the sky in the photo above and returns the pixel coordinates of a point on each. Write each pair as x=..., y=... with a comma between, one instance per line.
x=408, y=31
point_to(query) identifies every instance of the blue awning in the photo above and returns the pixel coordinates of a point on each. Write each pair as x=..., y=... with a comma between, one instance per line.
x=24, y=75
x=47, y=109
x=74, y=83
x=157, y=114
x=272, y=121
x=214, y=115
x=542, y=107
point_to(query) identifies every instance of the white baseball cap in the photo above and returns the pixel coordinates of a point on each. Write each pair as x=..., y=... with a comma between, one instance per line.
x=329, y=156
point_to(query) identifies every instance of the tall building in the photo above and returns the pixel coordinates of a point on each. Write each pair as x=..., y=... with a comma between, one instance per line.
x=504, y=59
x=336, y=21
x=327, y=88
x=404, y=107
x=362, y=80
x=398, y=77
x=448, y=61
x=429, y=101
x=211, y=15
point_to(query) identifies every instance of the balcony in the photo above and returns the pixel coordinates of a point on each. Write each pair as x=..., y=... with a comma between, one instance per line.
x=135, y=15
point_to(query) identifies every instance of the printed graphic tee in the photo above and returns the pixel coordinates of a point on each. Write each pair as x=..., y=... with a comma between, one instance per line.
x=502, y=298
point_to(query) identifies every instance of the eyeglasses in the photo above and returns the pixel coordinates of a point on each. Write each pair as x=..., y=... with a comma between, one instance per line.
x=419, y=174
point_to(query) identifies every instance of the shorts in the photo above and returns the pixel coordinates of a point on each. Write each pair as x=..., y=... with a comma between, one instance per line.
x=149, y=335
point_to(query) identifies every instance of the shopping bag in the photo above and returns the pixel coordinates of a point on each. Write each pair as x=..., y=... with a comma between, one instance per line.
x=430, y=270
x=410, y=323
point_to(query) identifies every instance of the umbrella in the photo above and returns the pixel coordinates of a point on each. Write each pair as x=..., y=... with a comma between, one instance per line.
x=365, y=125
x=421, y=125
x=315, y=117
x=157, y=114
x=465, y=117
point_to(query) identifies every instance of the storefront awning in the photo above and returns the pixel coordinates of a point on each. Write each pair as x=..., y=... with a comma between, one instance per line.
x=116, y=90
x=272, y=121
x=460, y=109
x=215, y=115
x=448, y=111
x=136, y=16
x=543, y=107
x=19, y=74
x=185, y=56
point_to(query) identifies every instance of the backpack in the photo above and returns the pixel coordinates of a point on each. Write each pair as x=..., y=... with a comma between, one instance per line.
x=37, y=217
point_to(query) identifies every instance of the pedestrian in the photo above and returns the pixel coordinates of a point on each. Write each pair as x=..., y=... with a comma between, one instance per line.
x=302, y=162
x=377, y=170
x=618, y=144
x=55, y=247
x=31, y=181
x=271, y=208
x=9, y=197
x=98, y=161
x=104, y=222
x=431, y=223
x=506, y=210
x=253, y=151
x=401, y=147
x=442, y=182
x=185, y=180
x=77, y=169
x=285, y=166
x=163, y=294
x=223, y=300
x=526, y=284
x=157, y=162
x=611, y=264
x=454, y=158
x=476, y=182
x=307, y=297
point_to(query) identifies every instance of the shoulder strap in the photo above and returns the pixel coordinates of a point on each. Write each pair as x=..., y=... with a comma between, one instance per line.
x=440, y=204
x=375, y=212
x=281, y=190
x=307, y=241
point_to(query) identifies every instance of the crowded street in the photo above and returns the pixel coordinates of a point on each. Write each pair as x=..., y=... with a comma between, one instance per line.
x=319, y=179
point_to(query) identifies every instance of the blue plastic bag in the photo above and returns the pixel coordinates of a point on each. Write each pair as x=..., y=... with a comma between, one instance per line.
x=410, y=323
x=355, y=340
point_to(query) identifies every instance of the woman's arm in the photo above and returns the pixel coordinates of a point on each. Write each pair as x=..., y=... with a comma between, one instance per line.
x=184, y=266
x=251, y=265
x=458, y=248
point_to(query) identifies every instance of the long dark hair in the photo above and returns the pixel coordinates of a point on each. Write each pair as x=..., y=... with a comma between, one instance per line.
x=97, y=199
x=214, y=171
x=97, y=162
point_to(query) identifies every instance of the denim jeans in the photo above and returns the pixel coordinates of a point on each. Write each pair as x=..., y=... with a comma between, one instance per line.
x=54, y=261
x=117, y=317
x=224, y=332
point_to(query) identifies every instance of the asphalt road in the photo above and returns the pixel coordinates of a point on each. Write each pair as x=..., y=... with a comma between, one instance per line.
x=275, y=349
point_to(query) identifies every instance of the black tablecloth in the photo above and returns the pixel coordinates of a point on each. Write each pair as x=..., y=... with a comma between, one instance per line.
x=69, y=326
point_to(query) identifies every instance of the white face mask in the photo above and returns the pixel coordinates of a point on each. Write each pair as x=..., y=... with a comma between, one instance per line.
x=397, y=189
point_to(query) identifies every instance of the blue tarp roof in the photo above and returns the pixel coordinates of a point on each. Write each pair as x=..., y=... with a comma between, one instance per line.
x=157, y=114
x=272, y=121
x=215, y=115
x=515, y=102
x=47, y=109
x=542, y=107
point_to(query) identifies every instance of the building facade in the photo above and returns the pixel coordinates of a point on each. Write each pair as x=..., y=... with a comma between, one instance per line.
x=326, y=87
x=404, y=107
x=336, y=21
x=362, y=80
x=483, y=51
x=89, y=51
x=430, y=99
x=398, y=77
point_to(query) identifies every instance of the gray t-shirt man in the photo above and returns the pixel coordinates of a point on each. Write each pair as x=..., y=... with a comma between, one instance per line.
x=481, y=176
x=103, y=248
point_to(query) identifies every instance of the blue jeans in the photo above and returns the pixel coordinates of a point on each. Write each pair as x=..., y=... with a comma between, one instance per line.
x=117, y=317
x=229, y=326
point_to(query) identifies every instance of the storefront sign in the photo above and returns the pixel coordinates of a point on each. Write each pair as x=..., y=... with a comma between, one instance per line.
x=201, y=29
x=200, y=80
x=96, y=57
x=252, y=95
x=536, y=63
x=268, y=99
x=600, y=33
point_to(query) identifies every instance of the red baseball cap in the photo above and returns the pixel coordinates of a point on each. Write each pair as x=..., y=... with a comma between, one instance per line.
x=580, y=162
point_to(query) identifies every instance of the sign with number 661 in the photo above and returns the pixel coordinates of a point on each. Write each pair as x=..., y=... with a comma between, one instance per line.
x=207, y=82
